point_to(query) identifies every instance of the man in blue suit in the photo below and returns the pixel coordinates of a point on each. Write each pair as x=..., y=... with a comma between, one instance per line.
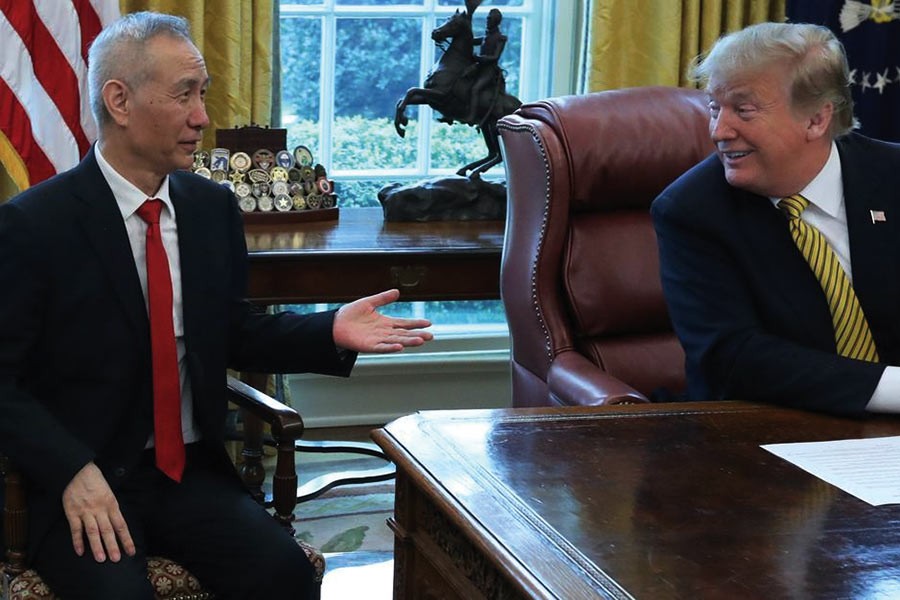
x=752, y=313
x=76, y=376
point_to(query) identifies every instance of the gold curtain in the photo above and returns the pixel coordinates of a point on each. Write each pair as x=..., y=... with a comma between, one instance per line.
x=236, y=41
x=652, y=42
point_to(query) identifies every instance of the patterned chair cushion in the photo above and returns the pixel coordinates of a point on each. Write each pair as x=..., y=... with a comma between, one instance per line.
x=170, y=580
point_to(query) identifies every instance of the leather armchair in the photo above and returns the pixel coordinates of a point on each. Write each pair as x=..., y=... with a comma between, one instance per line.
x=580, y=271
x=170, y=580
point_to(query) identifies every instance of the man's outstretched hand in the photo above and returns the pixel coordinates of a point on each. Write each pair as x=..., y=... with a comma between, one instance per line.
x=358, y=326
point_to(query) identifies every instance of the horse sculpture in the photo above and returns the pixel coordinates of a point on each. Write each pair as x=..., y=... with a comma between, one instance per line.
x=448, y=90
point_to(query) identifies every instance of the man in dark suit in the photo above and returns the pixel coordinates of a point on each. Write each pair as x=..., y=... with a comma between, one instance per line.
x=757, y=319
x=77, y=383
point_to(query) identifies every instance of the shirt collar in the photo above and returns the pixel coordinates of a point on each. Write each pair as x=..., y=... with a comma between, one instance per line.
x=826, y=190
x=128, y=197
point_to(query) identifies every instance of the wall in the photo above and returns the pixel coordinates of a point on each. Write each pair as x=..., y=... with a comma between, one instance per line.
x=453, y=371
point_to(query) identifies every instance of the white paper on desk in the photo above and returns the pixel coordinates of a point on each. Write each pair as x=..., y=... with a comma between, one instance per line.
x=868, y=468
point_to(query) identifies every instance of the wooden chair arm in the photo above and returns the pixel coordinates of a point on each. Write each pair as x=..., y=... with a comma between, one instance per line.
x=286, y=427
x=15, y=519
x=285, y=422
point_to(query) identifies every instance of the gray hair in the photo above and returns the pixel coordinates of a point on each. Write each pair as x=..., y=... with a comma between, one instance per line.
x=812, y=52
x=118, y=53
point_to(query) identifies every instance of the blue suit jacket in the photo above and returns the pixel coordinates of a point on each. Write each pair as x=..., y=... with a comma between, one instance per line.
x=747, y=308
x=75, y=380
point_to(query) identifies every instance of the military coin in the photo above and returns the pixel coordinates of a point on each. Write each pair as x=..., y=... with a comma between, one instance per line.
x=280, y=188
x=283, y=203
x=265, y=203
x=243, y=190
x=247, y=203
x=263, y=159
x=284, y=159
x=240, y=161
x=279, y=174
x=219, y=159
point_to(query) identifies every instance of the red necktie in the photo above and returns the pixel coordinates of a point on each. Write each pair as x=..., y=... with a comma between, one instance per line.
x=166, y=381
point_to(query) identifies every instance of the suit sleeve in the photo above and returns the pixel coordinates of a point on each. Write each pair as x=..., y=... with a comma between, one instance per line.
x=284, y=342
x=29, y=433
x=731, y=353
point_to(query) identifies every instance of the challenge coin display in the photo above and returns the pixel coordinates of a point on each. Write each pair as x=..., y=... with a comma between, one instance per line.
x=278, y=182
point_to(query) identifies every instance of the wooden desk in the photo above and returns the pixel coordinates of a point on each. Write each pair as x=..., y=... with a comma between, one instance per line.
x=360, y=254
x=649, y=502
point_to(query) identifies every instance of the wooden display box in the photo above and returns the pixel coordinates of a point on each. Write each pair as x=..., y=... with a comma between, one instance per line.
x=252, y=138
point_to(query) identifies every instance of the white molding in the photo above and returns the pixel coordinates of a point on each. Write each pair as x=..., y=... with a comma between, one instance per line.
x=385, y=387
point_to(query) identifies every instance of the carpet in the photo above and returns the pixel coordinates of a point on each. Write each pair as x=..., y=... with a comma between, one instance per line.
x=348, y=519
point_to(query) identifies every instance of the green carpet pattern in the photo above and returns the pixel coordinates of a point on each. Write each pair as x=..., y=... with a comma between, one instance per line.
x=348, y=519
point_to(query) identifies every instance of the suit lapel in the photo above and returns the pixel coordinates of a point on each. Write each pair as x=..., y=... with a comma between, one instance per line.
x=190, y=219
x=102, y=222
x=873, y=243
x=784, y=271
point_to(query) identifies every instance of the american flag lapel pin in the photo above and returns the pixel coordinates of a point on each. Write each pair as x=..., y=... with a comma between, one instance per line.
x=878, y=216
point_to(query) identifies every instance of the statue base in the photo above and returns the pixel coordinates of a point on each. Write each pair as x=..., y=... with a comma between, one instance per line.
x=453, y=198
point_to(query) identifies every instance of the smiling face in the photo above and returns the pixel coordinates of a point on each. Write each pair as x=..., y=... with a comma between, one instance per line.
x=766, y=146
x=157, y=121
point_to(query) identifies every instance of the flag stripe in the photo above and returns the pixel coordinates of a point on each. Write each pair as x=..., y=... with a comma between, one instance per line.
x=19, y=132
x=88, y=23
x=44, y=106
x=61, y=20
x=50, y=66
x=46, y=124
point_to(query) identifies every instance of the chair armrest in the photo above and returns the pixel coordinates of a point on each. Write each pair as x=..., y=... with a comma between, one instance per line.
x=15, y=520
x=285, y=422
x=286, y=426
x=573, y=380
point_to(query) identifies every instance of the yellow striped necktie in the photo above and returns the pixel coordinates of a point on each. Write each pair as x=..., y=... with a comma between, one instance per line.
x=851, y=330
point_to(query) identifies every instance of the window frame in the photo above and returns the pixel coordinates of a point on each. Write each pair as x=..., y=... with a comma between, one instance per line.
x=551, y=35
x=551, y=20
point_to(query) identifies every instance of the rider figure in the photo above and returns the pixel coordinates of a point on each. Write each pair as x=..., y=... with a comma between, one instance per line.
x=488, y=75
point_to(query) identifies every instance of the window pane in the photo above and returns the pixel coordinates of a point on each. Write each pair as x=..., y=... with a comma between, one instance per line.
x=301, y=43
x=456, y=312
x=453, y=146
x=360, y=193
x=511, y=60
x=376, y=61
x=470, y=312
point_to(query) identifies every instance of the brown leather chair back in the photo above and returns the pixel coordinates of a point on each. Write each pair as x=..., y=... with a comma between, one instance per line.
x=580, y=270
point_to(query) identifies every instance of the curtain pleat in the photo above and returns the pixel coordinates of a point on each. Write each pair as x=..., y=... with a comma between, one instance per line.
x=652, y=42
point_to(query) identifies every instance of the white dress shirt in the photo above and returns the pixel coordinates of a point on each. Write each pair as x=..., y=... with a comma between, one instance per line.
x=130, y=198
x=827, y=213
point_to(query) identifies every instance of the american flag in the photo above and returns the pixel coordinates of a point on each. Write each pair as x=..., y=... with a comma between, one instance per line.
x=45, y=119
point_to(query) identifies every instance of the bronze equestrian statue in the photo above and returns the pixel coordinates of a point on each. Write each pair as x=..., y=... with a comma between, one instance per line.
x=465, y=87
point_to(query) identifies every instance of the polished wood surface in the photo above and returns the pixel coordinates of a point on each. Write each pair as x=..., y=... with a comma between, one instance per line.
x=644, y=501
x=360, y=254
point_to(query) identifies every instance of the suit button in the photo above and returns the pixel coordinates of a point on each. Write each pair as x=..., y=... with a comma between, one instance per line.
x=119, y=472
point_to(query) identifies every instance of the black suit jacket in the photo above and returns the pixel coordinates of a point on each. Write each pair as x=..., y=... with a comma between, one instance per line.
x=747, y=308
x=75, y=380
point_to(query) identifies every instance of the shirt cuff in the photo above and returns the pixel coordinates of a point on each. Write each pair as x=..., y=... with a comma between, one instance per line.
x=886, y=398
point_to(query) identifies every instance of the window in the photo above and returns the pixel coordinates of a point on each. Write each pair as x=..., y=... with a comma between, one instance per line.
x=346, y=63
